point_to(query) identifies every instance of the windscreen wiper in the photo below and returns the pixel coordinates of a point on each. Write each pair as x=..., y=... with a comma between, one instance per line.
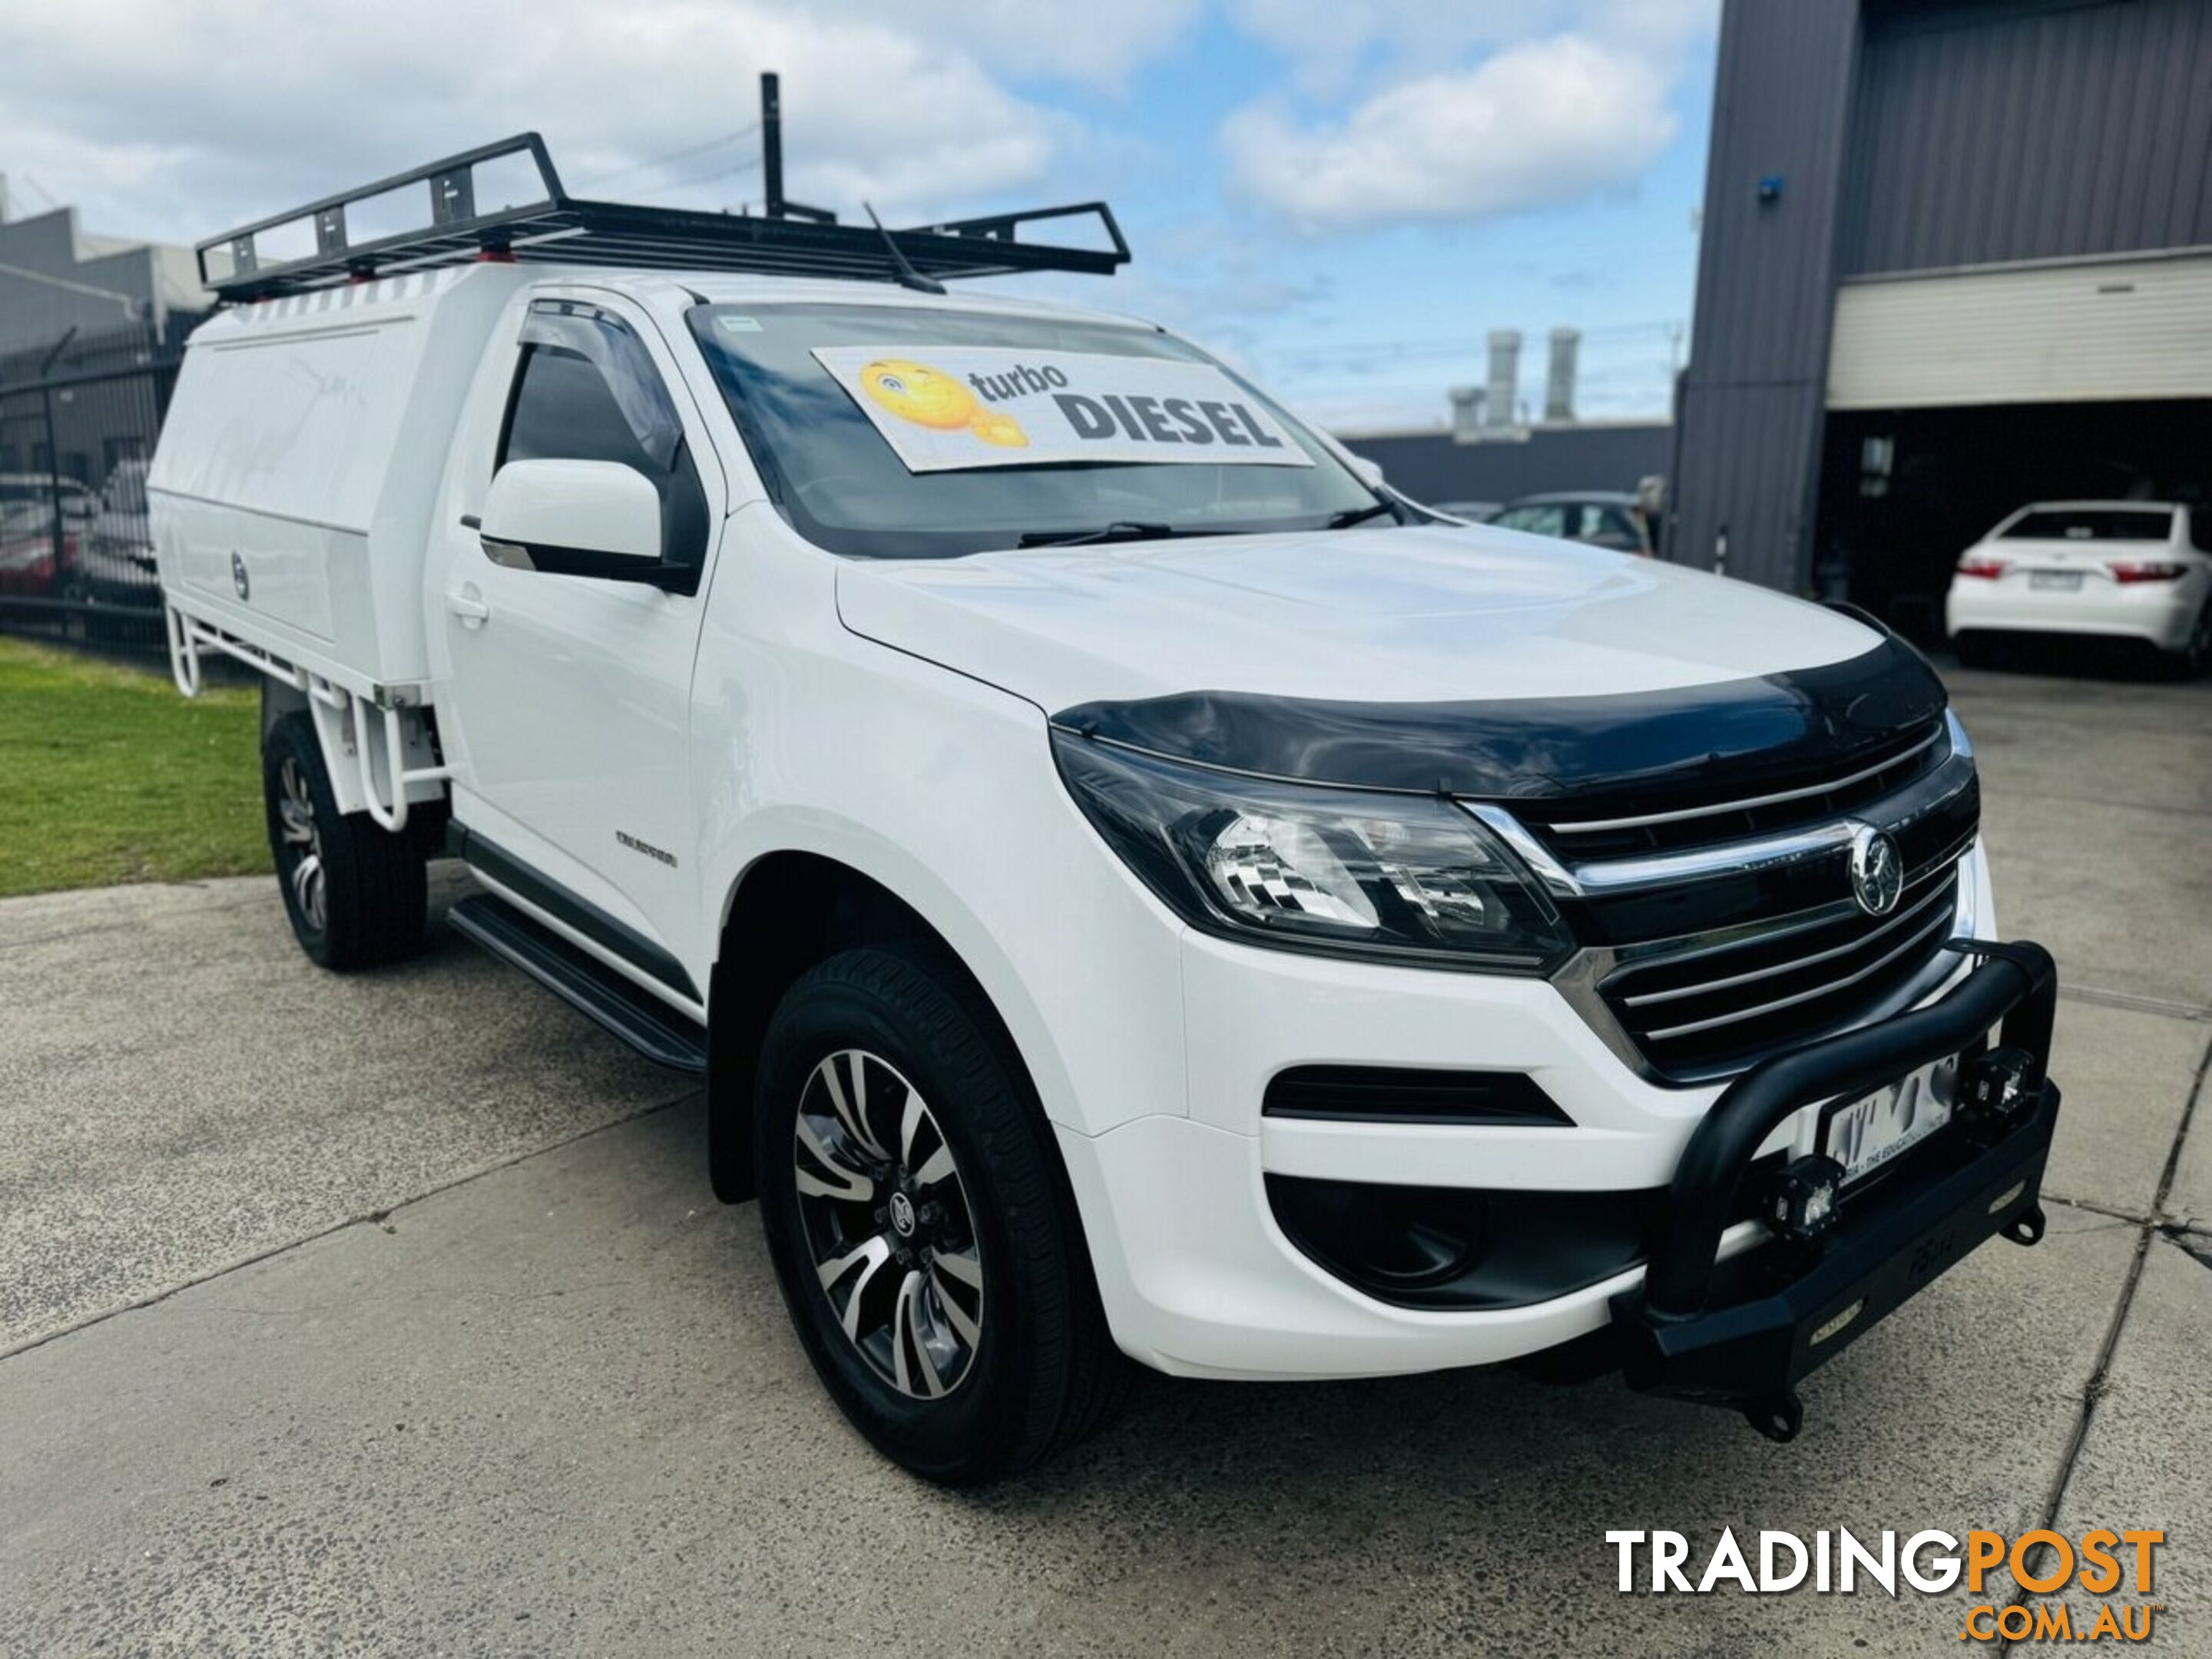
x=1121, y=530
x=1352, y=516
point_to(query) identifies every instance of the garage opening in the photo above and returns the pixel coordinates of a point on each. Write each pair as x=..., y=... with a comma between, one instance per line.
x=1956, y=397
x=1904, y=491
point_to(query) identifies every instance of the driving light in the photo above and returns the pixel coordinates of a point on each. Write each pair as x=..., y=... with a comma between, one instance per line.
x=1347, y=871
x=1803, y=1204
x=1994, y=1095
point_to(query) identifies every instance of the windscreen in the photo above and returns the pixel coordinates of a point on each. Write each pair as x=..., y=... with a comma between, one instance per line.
x=1002, y=410
x=2091, y=524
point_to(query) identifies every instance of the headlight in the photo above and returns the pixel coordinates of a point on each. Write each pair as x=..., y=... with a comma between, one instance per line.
x=1398, y=877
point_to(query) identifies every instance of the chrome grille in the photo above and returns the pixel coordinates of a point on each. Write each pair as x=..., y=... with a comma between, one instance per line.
x=1716, y=933
x=1720, y=1006
x=1578, y=833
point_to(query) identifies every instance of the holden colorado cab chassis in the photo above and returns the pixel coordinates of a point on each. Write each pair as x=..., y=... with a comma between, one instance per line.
x=1135, y=887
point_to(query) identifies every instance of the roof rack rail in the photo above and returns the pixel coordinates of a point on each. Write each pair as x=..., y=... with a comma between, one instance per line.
x=542, y=224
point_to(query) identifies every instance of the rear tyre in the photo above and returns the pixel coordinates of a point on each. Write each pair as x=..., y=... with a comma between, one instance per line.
x=357, y=895
x=920, y=1228
x=2195, y=657
x=1977, y=651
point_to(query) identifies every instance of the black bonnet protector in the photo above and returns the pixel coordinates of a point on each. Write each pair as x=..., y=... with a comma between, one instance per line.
x=1646, y=748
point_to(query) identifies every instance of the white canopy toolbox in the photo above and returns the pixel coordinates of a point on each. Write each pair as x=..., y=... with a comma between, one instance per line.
x=292, y=496
x=300, y=463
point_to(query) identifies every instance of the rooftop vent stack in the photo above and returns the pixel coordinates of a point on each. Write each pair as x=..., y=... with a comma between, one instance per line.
x=1467, y=411
x=1560, y=383
x=1504, y=377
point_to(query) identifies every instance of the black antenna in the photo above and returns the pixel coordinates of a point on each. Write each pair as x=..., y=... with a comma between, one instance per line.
x=907, y=276
x=778, y=206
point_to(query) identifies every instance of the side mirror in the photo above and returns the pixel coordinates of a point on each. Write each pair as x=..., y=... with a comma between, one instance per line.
x=574, y=519
x=1369, y=472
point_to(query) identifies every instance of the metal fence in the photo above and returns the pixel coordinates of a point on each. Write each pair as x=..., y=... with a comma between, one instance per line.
x=78, y=419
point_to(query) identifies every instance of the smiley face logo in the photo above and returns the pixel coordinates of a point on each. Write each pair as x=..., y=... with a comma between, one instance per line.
x=914, y=392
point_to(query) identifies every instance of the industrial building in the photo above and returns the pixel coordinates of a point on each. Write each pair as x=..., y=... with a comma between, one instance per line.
x=1956, y=257
x=1497, y=448
x=55, y=276
x=91, y=328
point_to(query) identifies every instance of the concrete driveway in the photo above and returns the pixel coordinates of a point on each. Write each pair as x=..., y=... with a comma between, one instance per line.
x=392, y=1314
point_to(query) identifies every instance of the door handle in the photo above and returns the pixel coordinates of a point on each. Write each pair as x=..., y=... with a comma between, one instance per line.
x=468, y=604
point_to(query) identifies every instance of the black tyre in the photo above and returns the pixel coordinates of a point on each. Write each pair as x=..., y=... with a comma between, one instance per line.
x=920, y=1224
x=357, y=895
x=2195, y=657
x=1977, y=651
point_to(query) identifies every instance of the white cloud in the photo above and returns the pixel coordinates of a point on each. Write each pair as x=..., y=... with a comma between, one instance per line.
x=176, y=121
x=1535, y=123
x=1329, y=41
x=1093, y=44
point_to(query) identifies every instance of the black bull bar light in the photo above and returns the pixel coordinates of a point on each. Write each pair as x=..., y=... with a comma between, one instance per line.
x=1742, y=1332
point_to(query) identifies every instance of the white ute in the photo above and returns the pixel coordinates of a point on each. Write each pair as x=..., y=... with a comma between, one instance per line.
x=1135, y=888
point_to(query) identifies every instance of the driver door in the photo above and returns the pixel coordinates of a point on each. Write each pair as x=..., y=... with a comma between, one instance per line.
x=569, y=719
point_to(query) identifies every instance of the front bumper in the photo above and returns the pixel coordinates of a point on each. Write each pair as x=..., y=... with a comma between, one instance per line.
x=1198, y=1274
x=1744, y=1332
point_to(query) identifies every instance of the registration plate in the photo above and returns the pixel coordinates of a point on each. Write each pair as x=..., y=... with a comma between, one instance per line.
x=1865, y=1134
x=2055, y=581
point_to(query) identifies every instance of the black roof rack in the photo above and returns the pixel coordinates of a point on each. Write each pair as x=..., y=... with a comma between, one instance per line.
x=551, y=226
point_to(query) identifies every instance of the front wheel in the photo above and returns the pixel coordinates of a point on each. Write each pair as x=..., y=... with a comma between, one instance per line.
x=922, y=1235
x=357, y=895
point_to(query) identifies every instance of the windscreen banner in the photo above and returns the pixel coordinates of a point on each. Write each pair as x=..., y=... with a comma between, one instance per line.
x=958, y=407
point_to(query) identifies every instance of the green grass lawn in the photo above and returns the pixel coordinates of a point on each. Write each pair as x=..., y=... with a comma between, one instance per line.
x=106, y=774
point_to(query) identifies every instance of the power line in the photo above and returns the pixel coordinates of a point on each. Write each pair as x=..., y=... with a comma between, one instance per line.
x=684, y=154
x=1381, y=360
x=1471, y=343
x=745, y=166
x=1596, y=331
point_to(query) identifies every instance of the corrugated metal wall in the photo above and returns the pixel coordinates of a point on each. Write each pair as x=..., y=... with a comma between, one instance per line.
x=1907, y=136
x=1985, y=133
x=1749, y=409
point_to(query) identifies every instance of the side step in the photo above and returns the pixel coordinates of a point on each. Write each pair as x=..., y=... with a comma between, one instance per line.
x=643, y=1021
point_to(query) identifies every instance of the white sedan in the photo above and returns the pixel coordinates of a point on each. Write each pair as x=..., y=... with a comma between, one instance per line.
x=2136, y=570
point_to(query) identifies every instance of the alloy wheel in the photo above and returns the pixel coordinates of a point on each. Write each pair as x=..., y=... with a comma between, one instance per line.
x=887, y=1224
x=303, y=845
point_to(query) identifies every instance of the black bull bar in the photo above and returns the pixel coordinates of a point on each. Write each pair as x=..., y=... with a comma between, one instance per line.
x=1743, y=1333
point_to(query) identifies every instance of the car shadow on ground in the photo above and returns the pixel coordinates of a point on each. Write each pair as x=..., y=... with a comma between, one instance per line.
x=1481, y=1497
x=1943, y=1408
x=2072, y=657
